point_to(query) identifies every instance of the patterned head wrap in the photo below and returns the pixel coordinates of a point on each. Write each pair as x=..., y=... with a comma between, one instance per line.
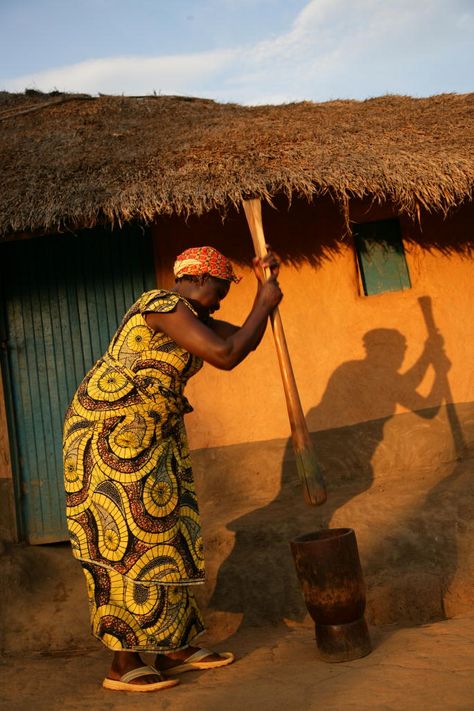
x=204, y=260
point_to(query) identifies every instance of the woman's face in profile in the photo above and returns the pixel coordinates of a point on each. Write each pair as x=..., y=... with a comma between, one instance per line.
x=209, y=294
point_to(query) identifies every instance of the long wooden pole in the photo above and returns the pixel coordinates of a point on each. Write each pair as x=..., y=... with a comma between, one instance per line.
x=308, y=470
x=453, y=419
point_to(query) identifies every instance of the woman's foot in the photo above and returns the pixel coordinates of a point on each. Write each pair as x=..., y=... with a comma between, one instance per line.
x=124, y=662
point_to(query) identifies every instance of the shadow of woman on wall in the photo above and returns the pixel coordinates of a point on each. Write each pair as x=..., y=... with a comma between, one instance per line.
x=257, y=579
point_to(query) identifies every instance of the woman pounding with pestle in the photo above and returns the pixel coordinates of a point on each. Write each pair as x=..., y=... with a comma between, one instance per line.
x=131, y=506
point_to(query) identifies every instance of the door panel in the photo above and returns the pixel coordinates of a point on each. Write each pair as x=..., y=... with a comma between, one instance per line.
x=63, y=296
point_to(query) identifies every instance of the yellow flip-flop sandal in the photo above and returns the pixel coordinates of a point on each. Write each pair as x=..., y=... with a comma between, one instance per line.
x=124, y=683
x=195, y=662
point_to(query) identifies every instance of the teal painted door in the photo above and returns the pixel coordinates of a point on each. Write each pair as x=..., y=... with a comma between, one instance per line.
x=63, y=298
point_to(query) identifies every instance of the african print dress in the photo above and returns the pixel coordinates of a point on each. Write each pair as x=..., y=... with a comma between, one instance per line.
x=131, y=506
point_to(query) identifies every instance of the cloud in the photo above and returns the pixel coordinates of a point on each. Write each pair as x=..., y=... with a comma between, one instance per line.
x=333, y=49
x=345, y=48
x=131, y=74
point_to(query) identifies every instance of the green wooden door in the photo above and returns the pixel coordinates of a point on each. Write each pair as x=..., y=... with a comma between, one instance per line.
x=63, y=298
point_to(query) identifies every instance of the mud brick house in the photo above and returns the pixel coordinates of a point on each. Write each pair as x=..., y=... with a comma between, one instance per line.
x=369, y=205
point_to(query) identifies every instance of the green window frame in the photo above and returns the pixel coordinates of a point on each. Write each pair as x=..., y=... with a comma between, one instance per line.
x=381, y=256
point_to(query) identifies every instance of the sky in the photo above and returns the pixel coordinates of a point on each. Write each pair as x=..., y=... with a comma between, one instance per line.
x=245, y=51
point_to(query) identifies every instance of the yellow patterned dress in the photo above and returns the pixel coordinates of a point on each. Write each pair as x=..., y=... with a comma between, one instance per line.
x=131, y=505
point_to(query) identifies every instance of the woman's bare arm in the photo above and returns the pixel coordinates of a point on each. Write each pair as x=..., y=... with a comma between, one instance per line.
x=224, y=352
x=224, y=329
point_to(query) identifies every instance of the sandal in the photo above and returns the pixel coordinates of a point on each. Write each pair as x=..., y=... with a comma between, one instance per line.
x=124, y=683
x=195, y=663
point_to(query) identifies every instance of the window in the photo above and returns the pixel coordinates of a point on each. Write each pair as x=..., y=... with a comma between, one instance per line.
x=381, y=256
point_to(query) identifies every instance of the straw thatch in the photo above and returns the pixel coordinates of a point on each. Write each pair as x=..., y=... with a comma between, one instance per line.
x=78, y=161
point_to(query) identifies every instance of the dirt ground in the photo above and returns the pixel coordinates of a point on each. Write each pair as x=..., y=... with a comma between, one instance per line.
x=429, y=668
x=415, y=532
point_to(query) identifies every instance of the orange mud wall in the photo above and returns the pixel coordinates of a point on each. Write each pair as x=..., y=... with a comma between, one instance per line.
x=326, y=316
x=392, y=438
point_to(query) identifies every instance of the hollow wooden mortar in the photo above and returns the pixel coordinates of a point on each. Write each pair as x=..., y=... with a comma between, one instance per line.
x=330, y=575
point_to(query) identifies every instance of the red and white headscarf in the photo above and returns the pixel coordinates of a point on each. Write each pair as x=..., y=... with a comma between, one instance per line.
x=204, y=260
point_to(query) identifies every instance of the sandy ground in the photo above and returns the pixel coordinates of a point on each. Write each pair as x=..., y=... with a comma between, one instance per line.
x=429, y=667
x=415, y=538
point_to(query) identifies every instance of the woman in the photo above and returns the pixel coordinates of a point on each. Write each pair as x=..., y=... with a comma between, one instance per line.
x=131, y=505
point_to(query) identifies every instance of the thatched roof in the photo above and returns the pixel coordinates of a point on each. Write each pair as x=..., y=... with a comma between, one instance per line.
x=77, y=160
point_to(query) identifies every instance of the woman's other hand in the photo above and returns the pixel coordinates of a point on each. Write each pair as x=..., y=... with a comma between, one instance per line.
x=269, y=293
x=269, y=261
